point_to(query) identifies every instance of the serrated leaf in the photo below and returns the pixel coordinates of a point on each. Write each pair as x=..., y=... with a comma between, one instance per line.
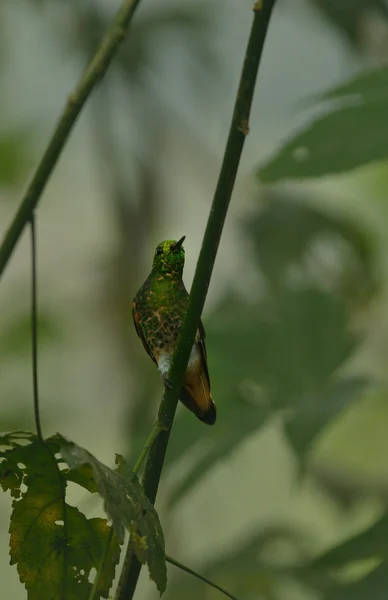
x=82, y=475
x=53, y=544
x=127, y=506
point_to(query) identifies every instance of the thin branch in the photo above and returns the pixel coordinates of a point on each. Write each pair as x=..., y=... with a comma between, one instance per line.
x=93, y=73
x=93, y=594
x=198, y=576
x=238, y=130
x=34, y=329
x=147, y=446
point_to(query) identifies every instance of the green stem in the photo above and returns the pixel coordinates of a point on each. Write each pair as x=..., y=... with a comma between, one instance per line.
x=238, y=131
x=93, y=73
x=198, y=576
x=157, y=428
x=34, y=330
x=93, y=593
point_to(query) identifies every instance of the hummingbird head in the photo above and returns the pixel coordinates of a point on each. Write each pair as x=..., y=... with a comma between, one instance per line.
x=169, y=258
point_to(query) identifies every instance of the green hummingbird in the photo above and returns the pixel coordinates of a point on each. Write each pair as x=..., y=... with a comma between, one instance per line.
x=158, y=310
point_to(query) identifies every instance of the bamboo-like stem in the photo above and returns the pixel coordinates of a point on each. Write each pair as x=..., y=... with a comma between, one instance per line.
x=147, y=446
x=183, y=567
x=93, y=73
x=238, y=130
x=34, y=330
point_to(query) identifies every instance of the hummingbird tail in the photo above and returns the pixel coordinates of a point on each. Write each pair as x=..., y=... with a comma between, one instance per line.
x=198, y=399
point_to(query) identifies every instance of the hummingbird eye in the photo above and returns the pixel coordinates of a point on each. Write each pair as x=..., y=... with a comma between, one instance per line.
x=159, y=251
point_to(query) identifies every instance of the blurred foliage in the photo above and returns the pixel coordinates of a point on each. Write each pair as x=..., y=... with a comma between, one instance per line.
x=249, y=570
x=351, y=135
x=287, y=354
x=15, y=156
x=292, y=345
x=350, y=17
x=15, y=339
x=371, y=543
x=138, y=55
x=293, y=240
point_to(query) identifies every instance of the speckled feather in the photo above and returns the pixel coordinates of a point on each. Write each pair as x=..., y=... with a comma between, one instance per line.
x=158, y=310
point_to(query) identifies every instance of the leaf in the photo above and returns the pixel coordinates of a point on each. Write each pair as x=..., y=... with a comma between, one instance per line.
x=372, y=587
x=369, y=86
x=373, y=542
x=243, y=567
x=53, y=544
x=342, y=140
x=126, y=504
x=82, y=475
x=291, y=238
x=347, y=137
x=242, y=422
x=289, y=347
x=313, y=413
x=349, y=15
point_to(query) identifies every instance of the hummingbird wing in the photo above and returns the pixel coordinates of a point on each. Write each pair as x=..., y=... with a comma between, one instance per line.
x=202, y=346
x=137, y=322
x=195, y=394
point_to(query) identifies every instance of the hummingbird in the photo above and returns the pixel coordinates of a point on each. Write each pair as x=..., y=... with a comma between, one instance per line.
x=158, y=310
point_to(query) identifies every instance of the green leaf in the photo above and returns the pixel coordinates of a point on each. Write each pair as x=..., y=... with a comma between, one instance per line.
x=369, y=86
x=82, y=475
x=126, y=504
x=372, y=587
x=349, y=15
x=314, y=412
x=241, y=422
x=342, y=140
x=243, y=567
x=289, y=346
x=371, y=543
x=347, y=137
x=305, y=246
x=53, y=544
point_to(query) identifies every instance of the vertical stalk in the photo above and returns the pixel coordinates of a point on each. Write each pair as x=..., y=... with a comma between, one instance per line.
x=239, y=129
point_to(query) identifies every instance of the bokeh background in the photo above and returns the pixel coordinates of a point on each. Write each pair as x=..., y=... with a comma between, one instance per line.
x=285, y=497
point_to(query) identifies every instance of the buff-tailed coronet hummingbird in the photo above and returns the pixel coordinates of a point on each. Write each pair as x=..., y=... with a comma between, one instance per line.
x=158, y=310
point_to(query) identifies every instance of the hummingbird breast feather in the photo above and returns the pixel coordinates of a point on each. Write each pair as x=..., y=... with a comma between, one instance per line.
x=164, y=360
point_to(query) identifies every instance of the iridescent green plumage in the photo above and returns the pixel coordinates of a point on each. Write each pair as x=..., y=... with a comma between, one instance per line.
x=158, y=310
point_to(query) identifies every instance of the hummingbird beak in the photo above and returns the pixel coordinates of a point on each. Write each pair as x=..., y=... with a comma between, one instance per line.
x=179, y=243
